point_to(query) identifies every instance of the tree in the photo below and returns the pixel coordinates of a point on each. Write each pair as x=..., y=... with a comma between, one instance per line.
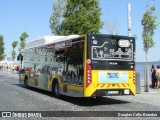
x=2, y=56
x=57, y=16
x=23, y=37
x=81, y=17
x=111, y=27
x=149, y=26
x=13, y=54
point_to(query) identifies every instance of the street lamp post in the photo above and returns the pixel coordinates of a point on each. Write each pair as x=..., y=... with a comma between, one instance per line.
x=129, y=19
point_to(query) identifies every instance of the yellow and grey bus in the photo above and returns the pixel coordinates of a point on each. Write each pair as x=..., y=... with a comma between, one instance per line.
x=89, y=65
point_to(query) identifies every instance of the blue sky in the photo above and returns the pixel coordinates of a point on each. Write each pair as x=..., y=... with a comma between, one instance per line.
x=32, y=16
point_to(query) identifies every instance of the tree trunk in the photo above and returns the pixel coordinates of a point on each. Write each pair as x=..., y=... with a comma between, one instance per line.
x=146, y=58
x=146, y=73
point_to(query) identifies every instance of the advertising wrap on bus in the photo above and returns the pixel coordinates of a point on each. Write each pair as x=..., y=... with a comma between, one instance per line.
x=113, y=76
x=89, y=65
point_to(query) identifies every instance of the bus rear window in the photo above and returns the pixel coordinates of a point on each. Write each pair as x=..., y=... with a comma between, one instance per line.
x=114, y=48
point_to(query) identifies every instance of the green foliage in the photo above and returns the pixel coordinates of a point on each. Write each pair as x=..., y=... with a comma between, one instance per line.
x=57, y=16
x=81, y=17
x=14, y=45
x=111, y=27
x=23, y=37
x=2, y=56
x=149, y=26
x=13, y=55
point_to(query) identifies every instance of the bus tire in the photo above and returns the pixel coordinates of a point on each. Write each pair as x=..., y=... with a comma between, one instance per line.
x=55, y=89
x=26, y=81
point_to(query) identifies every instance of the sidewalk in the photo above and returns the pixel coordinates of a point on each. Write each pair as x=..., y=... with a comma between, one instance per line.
x=150, y=90
x=14, y=74
x=152, y=97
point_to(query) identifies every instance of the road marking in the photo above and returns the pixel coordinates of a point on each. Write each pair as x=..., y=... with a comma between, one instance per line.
x=1, y=80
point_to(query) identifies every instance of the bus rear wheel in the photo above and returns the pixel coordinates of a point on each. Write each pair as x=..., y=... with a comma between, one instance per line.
x=55, y=89
x=26, y=81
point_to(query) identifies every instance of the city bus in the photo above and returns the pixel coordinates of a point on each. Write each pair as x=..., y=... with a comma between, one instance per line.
x=91, y=65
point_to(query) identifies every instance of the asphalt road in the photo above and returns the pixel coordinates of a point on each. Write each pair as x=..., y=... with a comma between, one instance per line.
x=15, y=97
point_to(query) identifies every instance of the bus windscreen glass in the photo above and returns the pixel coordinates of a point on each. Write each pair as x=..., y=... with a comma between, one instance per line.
x=117, y=49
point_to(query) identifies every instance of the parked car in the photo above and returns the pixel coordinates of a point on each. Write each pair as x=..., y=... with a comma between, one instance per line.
x=16, y=67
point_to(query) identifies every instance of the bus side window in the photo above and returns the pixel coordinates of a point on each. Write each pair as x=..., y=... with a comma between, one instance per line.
x=59, y=56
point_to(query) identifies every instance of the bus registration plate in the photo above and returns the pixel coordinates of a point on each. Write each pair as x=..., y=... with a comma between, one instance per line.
x=112, y=92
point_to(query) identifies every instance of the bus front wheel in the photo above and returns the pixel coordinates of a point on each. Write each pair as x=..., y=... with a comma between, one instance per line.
x=26, y=81
x=55, y=89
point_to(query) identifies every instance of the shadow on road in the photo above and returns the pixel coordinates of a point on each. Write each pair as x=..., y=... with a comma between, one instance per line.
x=79, y=101
x=93, y=101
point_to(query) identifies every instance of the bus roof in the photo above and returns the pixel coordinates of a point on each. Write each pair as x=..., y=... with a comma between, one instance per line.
x=40, y=42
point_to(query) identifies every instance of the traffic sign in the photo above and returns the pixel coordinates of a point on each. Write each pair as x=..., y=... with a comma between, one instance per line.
x=9, y=59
